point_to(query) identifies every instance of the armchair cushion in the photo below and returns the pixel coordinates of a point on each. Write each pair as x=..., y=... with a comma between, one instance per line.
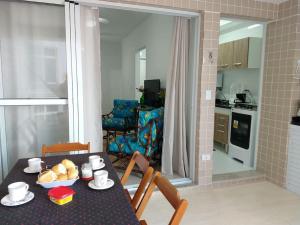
x=146, y=141
x=124, y=108
x=122, y=117
x=117, y=123
x=125, y=144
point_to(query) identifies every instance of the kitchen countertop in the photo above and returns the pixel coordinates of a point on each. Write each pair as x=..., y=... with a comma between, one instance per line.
x=224, y=106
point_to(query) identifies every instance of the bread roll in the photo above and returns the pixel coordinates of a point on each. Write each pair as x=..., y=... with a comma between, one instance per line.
x=62, y=177
x=68, y=164
x=47, y=177
x=72, y=173
x=59, y=169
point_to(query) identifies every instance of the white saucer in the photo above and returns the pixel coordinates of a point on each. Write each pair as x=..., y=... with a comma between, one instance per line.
x=108, y=185
x=7, y=202
x=28, y=170
x=101, y=165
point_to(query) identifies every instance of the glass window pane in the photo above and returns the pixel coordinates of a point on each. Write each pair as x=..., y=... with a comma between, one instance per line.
x=29, y=127
x=32, y=50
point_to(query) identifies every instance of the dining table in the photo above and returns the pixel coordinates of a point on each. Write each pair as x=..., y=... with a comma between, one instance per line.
x=89, y=206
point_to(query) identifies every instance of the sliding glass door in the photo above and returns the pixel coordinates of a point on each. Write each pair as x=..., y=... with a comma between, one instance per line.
x=33, y=80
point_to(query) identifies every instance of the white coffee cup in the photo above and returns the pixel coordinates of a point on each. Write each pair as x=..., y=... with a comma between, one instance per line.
x=100, y=178
x=17, y=191
x=34, y=164
x=95, y=161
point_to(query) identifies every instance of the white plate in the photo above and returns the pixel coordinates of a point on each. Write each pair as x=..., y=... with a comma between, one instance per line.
x=102, y=165
x=28, y=170
x=7, y=202
x=108, y=185
x=58, y=183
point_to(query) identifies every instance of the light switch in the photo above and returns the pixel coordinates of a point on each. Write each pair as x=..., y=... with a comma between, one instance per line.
x=205, y=157
x=208, y=95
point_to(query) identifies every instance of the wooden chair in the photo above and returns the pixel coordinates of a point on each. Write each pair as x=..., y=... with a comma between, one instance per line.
x=65, y=147
x=143, y=165
x=171, y=194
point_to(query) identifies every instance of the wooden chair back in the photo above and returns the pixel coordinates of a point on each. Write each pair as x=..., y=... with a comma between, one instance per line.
x=143, y=164
x=171, y=194
x=65, y=147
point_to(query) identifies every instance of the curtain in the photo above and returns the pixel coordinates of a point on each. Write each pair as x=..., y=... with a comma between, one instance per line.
x=174, y=153
x=84, y=70
x=90, y=44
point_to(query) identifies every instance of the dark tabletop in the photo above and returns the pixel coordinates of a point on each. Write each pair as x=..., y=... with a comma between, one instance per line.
x=105, y=207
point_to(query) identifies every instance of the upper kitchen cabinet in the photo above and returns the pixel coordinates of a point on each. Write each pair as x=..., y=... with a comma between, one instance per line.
x=225, y=56
x=240, y=54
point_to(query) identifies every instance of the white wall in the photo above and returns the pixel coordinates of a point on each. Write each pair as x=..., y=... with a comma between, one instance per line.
x=155, y=33
x=118, y=58
x=111, y=72
x=244, y=78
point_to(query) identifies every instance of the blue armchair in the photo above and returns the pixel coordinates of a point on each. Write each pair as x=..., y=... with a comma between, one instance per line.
x=123, y=117
x=148, y=139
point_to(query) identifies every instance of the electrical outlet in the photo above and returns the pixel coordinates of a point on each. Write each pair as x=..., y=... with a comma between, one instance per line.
x=205, y=157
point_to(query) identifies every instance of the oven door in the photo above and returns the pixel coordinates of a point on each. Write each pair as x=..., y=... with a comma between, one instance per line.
x=240, y=130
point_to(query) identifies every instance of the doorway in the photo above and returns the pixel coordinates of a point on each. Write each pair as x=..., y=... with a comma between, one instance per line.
x=140, y=71
x=131, y=57
x=238, y=96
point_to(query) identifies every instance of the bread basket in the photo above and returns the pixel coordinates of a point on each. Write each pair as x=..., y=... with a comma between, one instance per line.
x=58, y=183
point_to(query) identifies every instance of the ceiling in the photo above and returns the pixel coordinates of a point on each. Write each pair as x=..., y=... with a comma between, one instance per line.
x=121, y=23
x=235, y=24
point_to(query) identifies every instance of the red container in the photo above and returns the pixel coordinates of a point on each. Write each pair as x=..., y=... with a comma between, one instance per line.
x=61, y=195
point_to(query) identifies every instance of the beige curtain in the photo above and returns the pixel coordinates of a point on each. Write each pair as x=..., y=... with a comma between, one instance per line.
x=91, y=76
x=174, y=153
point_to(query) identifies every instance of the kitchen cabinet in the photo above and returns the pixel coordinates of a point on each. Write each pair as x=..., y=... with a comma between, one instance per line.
x=240, y=54
x=225, y=56
x=221, y=128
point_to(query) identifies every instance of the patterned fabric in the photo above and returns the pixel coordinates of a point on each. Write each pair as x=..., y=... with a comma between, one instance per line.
x=123, y=115
x=117, y=123
x=124, y=108
x=127, y=144
x=150, y=123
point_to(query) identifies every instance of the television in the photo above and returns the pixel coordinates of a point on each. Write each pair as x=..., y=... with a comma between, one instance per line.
x=152, y=86
x=152, y=93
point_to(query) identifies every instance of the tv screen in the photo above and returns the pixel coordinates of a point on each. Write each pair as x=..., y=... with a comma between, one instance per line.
x=152, y=86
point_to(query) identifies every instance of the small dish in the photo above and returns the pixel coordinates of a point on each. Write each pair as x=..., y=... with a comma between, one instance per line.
x=101, y=165
x=7, y=202
x=28, y=170
x=110, y=183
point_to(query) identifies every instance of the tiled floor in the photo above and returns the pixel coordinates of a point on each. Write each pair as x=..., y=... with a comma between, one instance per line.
x=222, y=164
x=252, y=204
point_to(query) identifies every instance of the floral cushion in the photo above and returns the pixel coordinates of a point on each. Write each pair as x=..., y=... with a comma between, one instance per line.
x=125, y=144
x=117, y=123
x=124, y=108
x=148, y=121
